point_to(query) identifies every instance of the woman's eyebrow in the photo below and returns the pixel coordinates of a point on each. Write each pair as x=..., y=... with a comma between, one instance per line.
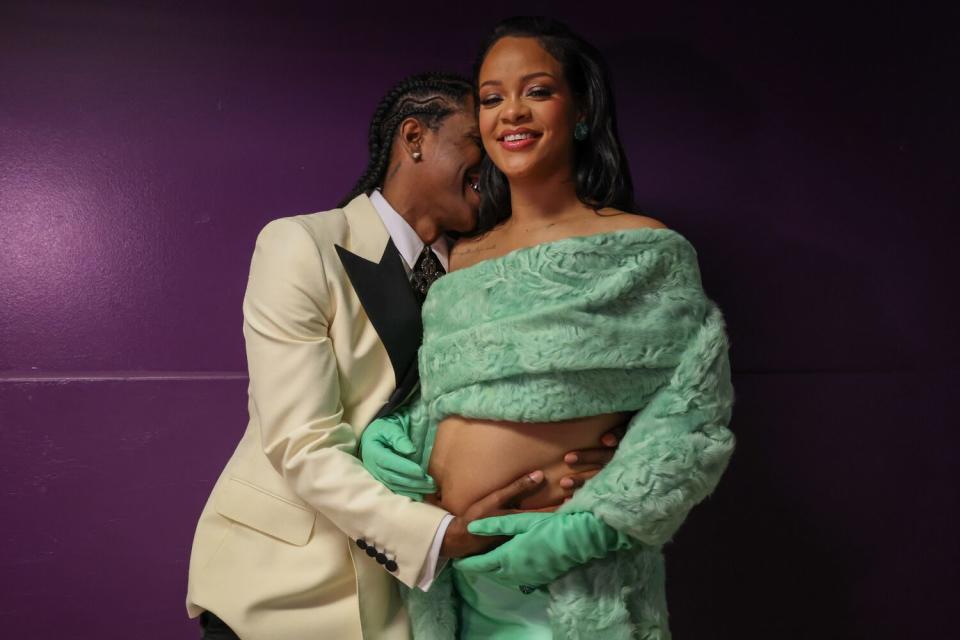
x=525, y=78
x=536, y=74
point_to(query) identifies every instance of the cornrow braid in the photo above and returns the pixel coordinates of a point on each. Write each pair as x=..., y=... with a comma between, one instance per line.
x=428, y=97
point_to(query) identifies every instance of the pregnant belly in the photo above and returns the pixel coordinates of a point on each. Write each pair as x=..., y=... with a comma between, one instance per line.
x=471, y=458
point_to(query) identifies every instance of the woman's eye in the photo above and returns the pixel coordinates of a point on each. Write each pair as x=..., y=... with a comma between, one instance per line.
x=540, y=92
x=489, y=100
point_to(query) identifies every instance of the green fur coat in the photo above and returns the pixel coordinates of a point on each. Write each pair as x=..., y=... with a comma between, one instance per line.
x=580, y=327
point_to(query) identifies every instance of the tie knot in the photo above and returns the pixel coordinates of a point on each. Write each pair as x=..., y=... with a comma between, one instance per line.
x=425, y=272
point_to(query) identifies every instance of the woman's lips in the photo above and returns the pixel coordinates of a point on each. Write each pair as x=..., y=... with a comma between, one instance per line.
x=518, y=141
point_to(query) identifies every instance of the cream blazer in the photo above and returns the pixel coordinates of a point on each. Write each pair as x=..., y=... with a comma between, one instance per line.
x=331, y=326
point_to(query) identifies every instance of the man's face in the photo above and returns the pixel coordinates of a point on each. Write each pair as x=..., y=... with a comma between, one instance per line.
x=451, y=167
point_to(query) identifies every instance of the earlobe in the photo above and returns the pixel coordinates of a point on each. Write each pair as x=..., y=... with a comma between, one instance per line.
x=580, y=126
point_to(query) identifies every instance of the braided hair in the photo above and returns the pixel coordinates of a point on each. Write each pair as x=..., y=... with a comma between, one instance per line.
x=428, y=97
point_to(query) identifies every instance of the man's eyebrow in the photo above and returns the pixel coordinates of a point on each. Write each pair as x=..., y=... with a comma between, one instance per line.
x=525, y=78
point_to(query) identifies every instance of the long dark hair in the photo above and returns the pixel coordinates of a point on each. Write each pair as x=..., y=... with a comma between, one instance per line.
x=600, y=170
x=428, y=97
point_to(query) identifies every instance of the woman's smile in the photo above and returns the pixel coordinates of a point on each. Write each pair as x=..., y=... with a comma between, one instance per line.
x=518, y=139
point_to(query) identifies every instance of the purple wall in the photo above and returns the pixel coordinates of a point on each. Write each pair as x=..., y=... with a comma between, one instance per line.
x=810, y=155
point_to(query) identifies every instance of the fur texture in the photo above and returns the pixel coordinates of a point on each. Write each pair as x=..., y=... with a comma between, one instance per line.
x=579, y=327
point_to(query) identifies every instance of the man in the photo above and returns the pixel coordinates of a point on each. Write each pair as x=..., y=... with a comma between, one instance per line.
x=297, y=540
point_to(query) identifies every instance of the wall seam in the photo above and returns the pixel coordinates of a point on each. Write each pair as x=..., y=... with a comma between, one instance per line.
x=120, y=376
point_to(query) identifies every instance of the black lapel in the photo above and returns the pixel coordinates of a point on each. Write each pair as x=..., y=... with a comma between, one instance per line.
x=403, y=392
x=393, y=309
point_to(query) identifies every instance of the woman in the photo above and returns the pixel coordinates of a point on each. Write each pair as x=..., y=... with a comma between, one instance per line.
x=565, y=316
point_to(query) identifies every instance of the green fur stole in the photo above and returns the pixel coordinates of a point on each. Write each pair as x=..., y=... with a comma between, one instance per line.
x=579, y=327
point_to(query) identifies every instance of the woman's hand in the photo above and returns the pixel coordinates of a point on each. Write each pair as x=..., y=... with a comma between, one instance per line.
x=544, y=547
x=383, y=447
x=459, y=541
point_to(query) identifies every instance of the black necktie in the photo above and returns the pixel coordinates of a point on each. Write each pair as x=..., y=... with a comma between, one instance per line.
x=425, y=272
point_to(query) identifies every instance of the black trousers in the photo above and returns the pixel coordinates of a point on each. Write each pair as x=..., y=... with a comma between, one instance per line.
x=215, y=629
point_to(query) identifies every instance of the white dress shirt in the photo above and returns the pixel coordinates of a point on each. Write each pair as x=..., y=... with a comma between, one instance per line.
x=410, y=246
x=406, y=240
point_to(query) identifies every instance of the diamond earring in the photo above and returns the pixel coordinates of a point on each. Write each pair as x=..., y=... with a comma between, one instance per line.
x=580, y=131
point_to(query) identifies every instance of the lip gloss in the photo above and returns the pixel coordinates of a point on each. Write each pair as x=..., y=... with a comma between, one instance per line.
x=518, y=145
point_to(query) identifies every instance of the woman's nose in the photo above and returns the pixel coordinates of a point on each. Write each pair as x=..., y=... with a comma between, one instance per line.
x=515, y=111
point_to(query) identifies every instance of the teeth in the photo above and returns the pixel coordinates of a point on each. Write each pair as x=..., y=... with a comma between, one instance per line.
x=513, y=137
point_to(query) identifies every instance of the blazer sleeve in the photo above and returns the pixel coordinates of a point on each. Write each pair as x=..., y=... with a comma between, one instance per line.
x=295, y=392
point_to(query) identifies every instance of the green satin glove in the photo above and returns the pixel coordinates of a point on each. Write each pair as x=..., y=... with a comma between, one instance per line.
x=544, y=547
x=383, y=447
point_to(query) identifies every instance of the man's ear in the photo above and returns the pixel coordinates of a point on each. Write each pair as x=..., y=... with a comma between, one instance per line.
x=411, y=138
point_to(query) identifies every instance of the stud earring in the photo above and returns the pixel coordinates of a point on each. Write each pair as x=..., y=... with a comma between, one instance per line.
x=416, y=155
x=580, y=131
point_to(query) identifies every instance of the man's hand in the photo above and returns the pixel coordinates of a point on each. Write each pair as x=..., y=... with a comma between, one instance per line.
x=545, y=546
x=383, y=445
x=586, y=463
x=459, y=541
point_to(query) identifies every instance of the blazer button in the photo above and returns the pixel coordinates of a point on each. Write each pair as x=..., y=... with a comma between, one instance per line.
x=381, y=559
x=361, y=543
x=391, y=566
x=371, y=550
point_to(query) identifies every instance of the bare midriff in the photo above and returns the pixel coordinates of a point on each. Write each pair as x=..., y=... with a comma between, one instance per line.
x=472, y=458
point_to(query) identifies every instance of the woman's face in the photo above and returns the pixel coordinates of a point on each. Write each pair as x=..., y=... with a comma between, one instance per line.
x=527, y=112
x=451, y=164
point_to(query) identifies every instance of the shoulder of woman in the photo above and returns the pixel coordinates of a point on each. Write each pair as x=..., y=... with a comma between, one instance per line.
x=615, y=220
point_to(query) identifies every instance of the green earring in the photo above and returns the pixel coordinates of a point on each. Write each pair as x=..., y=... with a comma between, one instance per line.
x=580, y=131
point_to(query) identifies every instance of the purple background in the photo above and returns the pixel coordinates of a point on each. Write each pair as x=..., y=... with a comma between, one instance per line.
x=809, y=154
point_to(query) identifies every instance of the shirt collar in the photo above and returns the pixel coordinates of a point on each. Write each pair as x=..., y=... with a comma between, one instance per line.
x=406, y=240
